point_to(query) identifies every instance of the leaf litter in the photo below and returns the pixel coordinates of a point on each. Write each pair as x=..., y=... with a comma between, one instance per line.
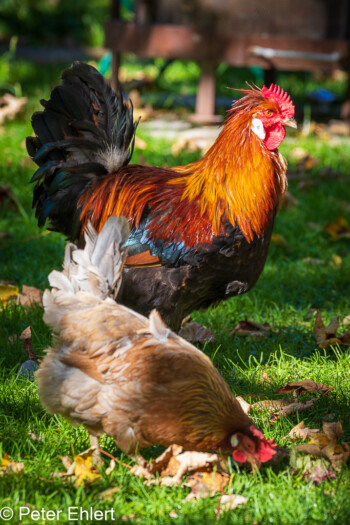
x=196, y=333
x=251, y=328
x=7, y=466
x=285, y=406
x=327, y=335
x=323, y=456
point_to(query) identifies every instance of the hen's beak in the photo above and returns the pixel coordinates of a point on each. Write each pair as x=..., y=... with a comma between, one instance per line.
x=291, y=122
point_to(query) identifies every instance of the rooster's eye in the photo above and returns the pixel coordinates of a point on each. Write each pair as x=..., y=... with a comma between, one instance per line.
x=268, y=113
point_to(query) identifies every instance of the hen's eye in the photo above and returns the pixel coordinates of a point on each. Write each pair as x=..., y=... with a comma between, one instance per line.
x=268, y=113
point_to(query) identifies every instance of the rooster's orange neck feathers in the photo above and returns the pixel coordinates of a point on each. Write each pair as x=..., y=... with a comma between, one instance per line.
x=238, y=179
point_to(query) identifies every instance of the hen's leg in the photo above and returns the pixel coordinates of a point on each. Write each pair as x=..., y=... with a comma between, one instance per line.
x=94, y=442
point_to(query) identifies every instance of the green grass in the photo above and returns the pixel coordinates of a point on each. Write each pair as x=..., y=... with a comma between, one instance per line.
x=283, y=296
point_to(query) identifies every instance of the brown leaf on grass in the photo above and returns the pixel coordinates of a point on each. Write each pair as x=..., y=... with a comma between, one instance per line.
x=327, y=336
x=10, y=106
x=67, y=462
x=229, y=502
x=29, y=296
x=306, y=385
x=340, y=229
x=271, y=405
x=324, y=445
x=283, y=407
x=298, y=406
x=7, y=292
x=10, y=467
x=205, y=484
x=195, y=333
x=314, y=469
x=173, y=464
x=300, y=431
x=333, y=430
x=248, y=327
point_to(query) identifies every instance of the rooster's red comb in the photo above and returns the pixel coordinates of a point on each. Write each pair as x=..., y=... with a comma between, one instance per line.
x=282, y=98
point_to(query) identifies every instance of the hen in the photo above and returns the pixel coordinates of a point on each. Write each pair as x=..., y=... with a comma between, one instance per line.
x=199, y=233
x=118, y=372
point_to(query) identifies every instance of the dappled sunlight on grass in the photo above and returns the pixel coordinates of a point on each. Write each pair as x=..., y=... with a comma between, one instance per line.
x=301, y=275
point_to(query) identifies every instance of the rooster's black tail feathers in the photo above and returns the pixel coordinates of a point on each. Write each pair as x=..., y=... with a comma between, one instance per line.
x=86, y=130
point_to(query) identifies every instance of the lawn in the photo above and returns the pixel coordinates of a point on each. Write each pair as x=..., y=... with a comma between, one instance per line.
x=306, y=271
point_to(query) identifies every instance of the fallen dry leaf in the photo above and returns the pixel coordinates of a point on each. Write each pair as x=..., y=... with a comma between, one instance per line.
x=283, y=407
x=248, y=327
x=306, y=385
x=7, y=292
x=84, y=471
x=10, y=106
x=195, y=333
x=271, y=405
x=324, y=445
x=205, y=484
x=67, y=462
x=298, y=406
x=314, y=470
x=29, y=296
x=229, y=502
x=300, y=431
x=80, y=470
x=327, y=336
x=10, y=467
x=340, y=229
x=173, y=464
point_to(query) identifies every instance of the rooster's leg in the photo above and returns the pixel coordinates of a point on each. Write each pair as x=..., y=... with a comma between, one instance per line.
x=96, y=456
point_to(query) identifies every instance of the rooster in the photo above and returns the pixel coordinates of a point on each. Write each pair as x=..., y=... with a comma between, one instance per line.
x=199, y=233
x=129, y=376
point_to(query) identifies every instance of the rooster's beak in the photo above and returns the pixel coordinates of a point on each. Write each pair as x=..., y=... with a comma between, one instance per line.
x=291, y=122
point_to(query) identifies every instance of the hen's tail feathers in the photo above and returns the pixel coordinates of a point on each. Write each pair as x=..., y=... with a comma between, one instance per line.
x=96, y=270
x=85, y=131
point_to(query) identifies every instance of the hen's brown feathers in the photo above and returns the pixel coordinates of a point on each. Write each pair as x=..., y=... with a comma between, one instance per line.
x=118, y=372
x=161, y=384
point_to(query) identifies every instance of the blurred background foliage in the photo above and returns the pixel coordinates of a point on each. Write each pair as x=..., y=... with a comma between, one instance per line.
x=53, y=22
x=67, y=23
